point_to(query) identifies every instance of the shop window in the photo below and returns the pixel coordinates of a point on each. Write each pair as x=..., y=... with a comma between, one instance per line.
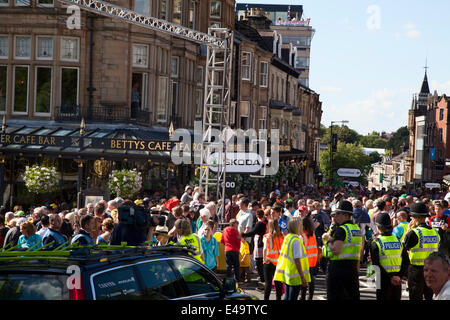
x=43, y=98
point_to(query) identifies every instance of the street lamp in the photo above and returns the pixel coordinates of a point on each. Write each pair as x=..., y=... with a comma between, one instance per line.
x=333, y=142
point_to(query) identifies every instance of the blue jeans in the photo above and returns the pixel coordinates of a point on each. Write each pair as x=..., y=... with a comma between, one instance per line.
x=292, y=292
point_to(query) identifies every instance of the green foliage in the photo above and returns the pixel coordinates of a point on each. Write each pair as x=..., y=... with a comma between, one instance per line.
x=348, y=155
x=373, y=140
x=399, y=139
x=344, y=133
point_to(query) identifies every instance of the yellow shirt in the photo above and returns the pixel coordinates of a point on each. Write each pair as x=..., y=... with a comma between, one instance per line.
x=244, y=250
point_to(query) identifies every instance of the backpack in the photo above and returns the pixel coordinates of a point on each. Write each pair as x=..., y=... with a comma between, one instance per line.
x=135, y=215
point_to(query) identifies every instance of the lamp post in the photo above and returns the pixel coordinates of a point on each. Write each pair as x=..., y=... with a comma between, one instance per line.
x=333, y=142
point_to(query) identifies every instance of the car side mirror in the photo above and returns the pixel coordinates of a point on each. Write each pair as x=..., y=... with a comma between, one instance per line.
x=229, y=285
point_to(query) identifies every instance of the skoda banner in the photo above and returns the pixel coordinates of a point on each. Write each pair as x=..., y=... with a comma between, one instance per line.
x=238, y=162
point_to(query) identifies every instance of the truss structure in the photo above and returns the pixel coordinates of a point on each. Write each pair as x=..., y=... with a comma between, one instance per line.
x=217, y=95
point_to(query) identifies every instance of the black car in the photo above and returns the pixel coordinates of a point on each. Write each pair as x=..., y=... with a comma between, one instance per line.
x=154, y=273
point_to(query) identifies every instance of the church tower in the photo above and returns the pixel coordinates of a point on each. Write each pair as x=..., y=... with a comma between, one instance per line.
x=418, y=108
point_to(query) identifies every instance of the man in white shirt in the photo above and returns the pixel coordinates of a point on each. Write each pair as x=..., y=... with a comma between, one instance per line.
x=436, y=274
x=244, y=217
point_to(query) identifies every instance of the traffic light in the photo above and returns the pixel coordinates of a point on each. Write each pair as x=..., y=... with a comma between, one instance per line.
x=334, y=142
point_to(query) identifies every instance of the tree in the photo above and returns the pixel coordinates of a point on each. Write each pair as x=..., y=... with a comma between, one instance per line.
x=399, y=139
x=373, y=140
x=344, y=133
x=348, y=155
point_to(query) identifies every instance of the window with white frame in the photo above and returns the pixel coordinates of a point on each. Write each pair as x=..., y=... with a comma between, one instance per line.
x=22, y=48
x=161, y=106
x=244, y=113
x=21, y=81
x=246, y=65
x=21, y=3
x=140, y=55
x=4, y=47
x=262, y=117
x=192, y=15
x=176, y=15
x=198, y=102
x=233, y=112
x=284, y=128
x=163, y=9
x=199, y=76
x=44, y=48
x=3, y=87
x=255, y=74
x=4, y=3
x=142, y=6
x=263, y=74
x=43, y=90
x=70, y=49
x=215, y=9
x=69, y=86
x=174, y=66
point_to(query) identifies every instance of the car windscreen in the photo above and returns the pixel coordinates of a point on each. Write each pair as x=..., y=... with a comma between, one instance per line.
x=33, y=286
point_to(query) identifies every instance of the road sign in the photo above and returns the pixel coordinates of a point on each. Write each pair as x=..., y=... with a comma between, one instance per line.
x=238, y=162
x=431, y=185
x=351, y=183
x=349, y=172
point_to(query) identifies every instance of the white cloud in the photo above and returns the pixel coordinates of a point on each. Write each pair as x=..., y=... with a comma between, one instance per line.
x=410, y=31
x=441, y=88
x=383, y=110
x=412, y=34
x=409, y=26
x=330, y=89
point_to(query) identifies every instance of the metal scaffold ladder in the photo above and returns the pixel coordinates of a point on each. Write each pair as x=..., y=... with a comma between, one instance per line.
x=217, y=97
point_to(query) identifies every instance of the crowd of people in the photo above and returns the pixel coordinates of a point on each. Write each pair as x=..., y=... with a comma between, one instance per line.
x=286, y=237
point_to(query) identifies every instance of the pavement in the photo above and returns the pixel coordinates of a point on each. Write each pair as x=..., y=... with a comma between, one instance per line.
x=367, y=287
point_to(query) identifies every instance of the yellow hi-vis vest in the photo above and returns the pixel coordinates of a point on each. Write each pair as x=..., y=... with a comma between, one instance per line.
x=390, y=250
x=286, y=270
x=428, y=243
x=193, y=240
x=404, y=226
x=352, y=243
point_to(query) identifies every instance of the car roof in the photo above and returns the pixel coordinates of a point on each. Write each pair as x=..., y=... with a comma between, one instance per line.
x=88, y=257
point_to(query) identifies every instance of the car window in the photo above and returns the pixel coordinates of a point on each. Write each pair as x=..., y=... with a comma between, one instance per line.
x=118, y=283
x=26, y=286
x=158, y=280
x=195, y=278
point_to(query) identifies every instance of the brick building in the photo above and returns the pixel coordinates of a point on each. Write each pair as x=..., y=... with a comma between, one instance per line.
x=127, y=81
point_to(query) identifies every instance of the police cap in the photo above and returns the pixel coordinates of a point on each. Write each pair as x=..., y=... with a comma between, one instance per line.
x=419, y=209
x=383, y=220
x=343, y=206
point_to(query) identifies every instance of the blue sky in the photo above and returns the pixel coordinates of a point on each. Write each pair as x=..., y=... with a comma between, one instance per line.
x=368, y=57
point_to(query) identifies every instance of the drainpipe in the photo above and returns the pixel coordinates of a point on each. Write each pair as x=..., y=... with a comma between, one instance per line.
x=91, y=46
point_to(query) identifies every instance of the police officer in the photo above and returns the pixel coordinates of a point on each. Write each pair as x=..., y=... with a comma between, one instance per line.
x=386, y=253
x=419, y=242
x=344, y=248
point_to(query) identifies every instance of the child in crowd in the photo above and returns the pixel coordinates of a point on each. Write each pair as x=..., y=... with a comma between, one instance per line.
x=244, y=261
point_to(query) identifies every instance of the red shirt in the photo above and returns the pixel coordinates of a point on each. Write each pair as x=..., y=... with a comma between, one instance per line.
x=230, y=239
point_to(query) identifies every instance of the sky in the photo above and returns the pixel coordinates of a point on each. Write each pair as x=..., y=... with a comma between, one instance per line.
x=368, y=57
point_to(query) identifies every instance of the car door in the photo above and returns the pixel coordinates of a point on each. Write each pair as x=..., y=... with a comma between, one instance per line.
x=158, y=280
x=195, y=280
x=116, y=283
